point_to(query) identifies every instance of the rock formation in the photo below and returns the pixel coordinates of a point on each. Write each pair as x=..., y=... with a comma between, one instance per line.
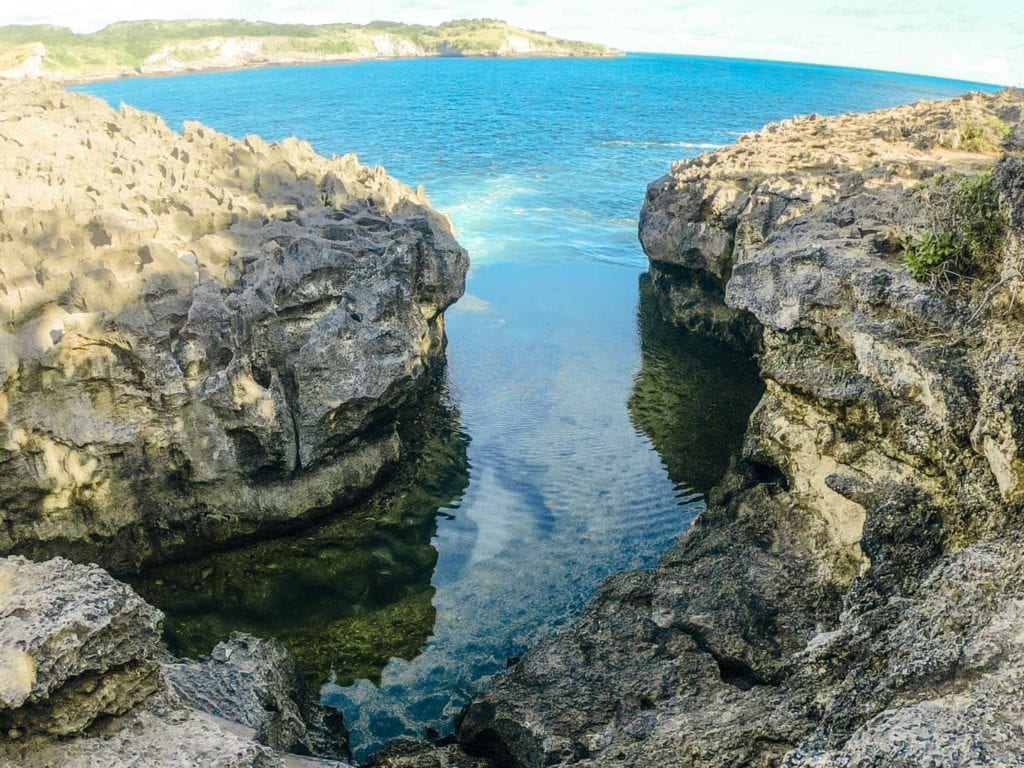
x=201, y=339
x=82, y=683
x=853, y=594
x=255, y=683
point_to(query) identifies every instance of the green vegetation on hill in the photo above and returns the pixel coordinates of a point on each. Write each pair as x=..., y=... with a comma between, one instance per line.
x=133, y=47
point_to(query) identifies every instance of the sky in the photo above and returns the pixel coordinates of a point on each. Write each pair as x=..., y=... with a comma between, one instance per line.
x=979, y=40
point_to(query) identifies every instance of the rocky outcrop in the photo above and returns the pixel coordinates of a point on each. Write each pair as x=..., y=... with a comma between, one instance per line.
x=256, y=683
x=201, y=339
x=850, y=596
x=82, y=684
x=76, y=646
x=410, y=753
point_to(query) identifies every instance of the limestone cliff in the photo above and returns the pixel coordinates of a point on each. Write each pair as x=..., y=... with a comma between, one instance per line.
x=201, y=338
x=853, y=594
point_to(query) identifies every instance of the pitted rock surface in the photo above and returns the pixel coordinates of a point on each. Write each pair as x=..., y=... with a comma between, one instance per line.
x=201, y=338
x=255, y=682
x=82, y=684
x=63, y=628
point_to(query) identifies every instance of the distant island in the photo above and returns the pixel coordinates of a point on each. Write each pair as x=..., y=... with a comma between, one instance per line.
x=131, y=48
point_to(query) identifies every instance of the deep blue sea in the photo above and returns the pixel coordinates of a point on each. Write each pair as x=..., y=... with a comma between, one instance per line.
x=553, y=379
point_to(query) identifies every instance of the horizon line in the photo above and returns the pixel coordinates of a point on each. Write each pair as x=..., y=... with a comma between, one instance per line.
x=857, y=68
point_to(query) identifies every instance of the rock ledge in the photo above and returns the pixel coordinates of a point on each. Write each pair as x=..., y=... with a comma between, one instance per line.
x=201, y=338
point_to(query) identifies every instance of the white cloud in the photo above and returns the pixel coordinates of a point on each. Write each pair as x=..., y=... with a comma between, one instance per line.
x=980, y=40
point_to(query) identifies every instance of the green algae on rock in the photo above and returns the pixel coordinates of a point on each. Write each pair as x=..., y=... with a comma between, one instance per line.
x=346, y=596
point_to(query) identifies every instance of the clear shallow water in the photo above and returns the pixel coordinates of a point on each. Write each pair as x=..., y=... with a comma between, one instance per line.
x=540, y=479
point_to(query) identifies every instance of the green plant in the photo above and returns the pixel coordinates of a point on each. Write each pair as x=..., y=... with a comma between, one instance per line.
x=983, y=137
x=1000, y=126
x=965, y=235
x=972, y=137
x=977, y=220
x=929, y=252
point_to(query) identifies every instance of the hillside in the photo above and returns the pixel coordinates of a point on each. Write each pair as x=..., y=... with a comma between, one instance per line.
x=164, y=47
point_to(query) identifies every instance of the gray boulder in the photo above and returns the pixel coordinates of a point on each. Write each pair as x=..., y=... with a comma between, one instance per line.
x=82, y=684
x=256, y=683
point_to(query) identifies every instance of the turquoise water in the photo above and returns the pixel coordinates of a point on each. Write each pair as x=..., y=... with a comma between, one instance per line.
x=542, y=165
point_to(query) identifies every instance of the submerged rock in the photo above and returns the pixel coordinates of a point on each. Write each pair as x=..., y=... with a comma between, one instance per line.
x=256, y=683
x=201, y=338
x=848, y=597
x=82, y=684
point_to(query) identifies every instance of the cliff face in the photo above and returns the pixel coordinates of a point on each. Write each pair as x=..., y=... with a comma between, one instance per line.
x=852, y=594
x=200, y=338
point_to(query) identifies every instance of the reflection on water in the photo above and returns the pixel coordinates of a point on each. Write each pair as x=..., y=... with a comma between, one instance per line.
x=402, y=609
x=346, y=596
x=692, y=396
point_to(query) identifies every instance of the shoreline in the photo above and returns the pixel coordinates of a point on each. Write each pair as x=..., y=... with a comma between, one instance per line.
x=106, y=78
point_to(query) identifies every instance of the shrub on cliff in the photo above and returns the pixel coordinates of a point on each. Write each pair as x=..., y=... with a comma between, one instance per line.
x=985, y=136
x=965, y=234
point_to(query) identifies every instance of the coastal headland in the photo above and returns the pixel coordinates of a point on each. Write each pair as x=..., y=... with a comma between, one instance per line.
x=136, y=48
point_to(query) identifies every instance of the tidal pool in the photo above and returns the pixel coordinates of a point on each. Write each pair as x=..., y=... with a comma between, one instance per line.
x=535, y=476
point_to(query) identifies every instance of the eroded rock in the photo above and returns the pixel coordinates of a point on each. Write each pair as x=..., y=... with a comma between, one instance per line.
x=200, y=338
x=256, y=683
x=81, y=684
x=75, y=645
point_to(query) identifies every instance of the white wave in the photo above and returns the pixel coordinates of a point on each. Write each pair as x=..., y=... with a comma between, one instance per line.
x=472, y=303
x=684, y=144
